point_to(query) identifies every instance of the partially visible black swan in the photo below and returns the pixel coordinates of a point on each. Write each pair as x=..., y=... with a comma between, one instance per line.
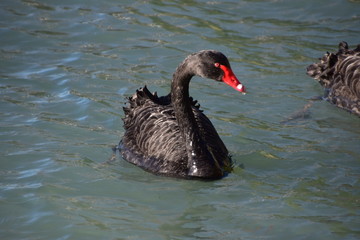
x=339, y=74
x=170, y=135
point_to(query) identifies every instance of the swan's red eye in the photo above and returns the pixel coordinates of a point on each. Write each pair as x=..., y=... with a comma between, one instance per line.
x=217, y=64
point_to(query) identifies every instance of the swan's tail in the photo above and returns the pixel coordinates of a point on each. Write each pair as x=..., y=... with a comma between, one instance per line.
x=339, y=74
x=331, y=64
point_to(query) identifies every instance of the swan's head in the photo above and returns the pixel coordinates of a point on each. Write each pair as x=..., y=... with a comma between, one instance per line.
x=214, y=65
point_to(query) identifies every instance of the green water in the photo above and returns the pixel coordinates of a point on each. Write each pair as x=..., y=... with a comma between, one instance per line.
x=67, y=66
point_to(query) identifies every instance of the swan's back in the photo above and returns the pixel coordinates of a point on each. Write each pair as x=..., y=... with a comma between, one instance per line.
x=153, y=140
x=339, y=74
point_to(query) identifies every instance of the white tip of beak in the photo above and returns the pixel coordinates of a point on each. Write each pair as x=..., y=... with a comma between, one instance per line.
x=241, y=88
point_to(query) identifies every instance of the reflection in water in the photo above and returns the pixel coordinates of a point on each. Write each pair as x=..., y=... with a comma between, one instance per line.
x=191, y=224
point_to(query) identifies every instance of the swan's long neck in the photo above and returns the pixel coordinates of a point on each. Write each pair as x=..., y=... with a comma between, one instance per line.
x=199, y=157
x=181, y=102
x=180, y=98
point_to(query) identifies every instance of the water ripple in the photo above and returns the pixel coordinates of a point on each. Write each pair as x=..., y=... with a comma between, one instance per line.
x=15, y=186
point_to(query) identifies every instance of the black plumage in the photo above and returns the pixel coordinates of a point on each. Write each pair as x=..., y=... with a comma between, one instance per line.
x=170, y=135
x=339, y=74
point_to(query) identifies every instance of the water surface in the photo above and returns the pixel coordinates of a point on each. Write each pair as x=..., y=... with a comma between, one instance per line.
x=66, y=68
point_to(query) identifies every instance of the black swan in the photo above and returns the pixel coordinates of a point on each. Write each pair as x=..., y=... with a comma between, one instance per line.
x=339, y=74
x=170, y=135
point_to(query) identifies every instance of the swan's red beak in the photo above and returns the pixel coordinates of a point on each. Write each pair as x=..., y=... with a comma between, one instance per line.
x=230, y=79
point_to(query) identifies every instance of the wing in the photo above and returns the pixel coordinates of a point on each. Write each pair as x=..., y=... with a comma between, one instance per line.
x=152, y=138
x=212, y=139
